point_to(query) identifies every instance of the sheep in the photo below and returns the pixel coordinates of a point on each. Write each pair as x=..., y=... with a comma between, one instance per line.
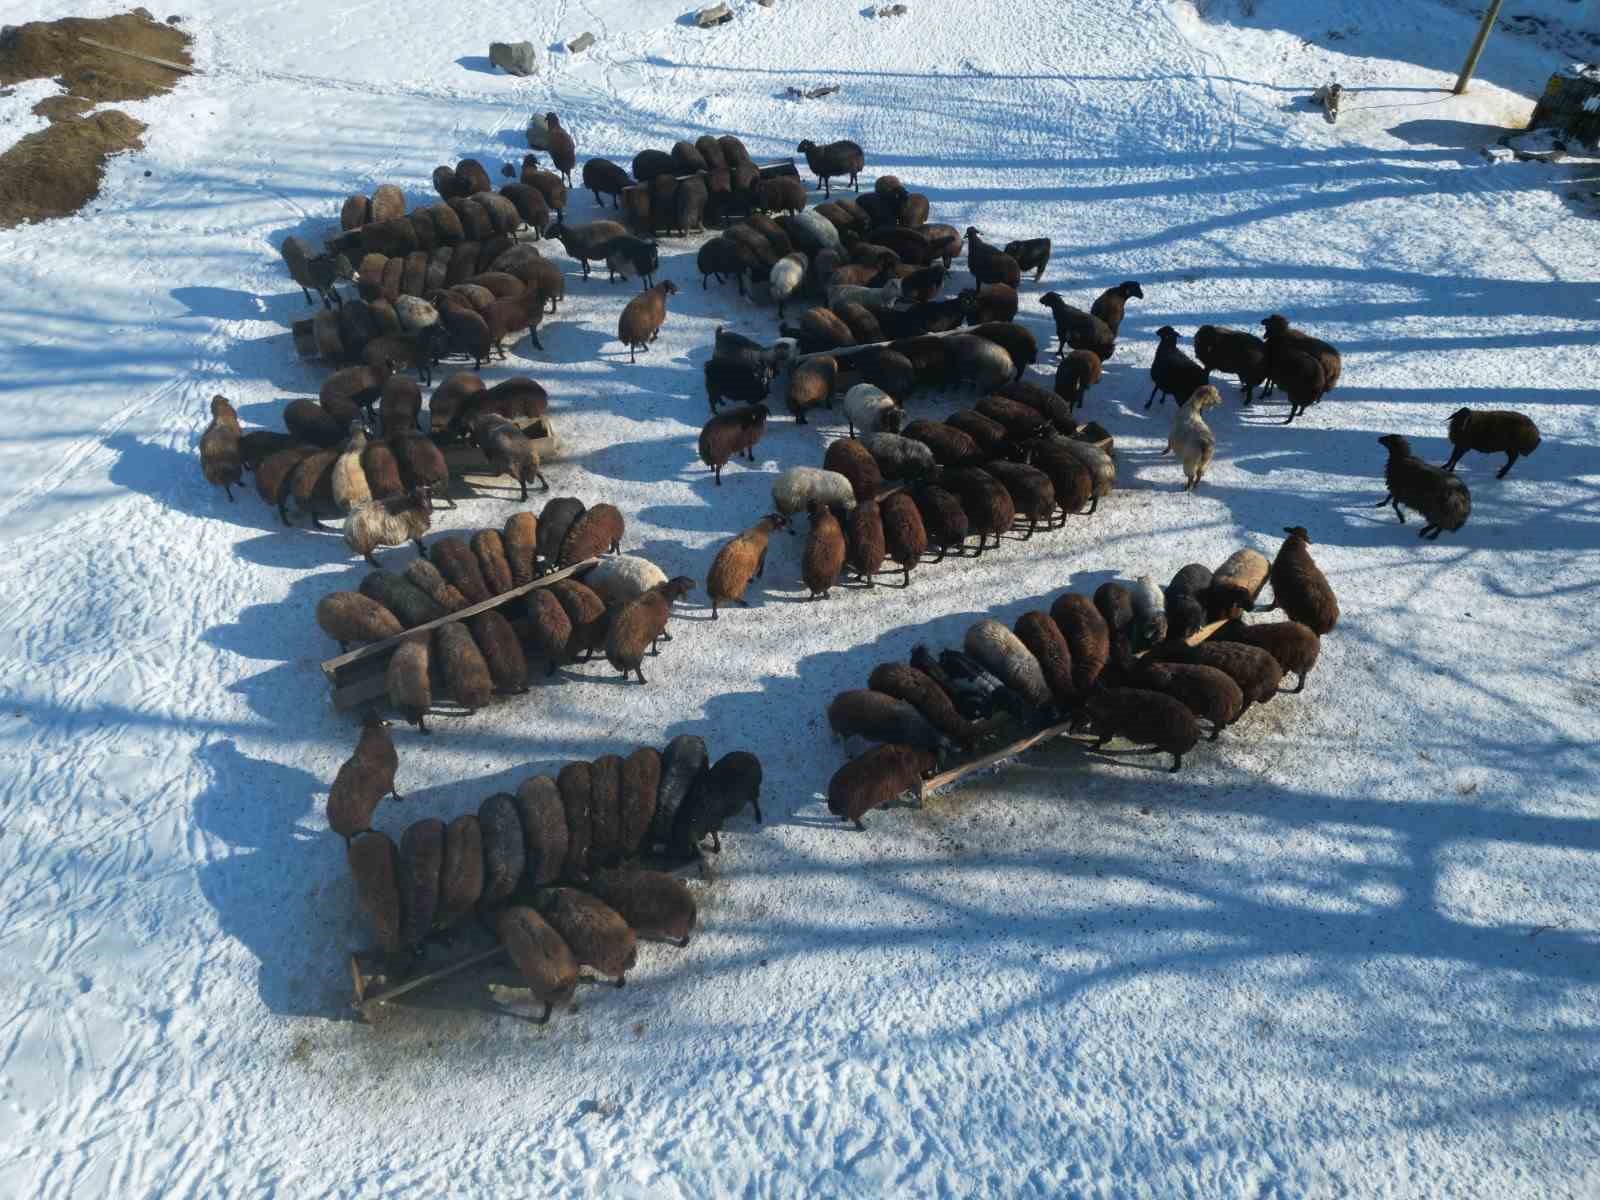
x=748, y=352
x=1232, y=352
x=1293, y=646
x=1003, y=653
x=421, y=462
x=1280, y=333
x=421, y=864
x=310, y=423
x=220, y=459
x=490, y=552
x=986, y=433
x=1205, y=691
x=1111, y=303
x=862, y=323
x=532, y=207
x=1031, y=255
x=727, y=435
x=1015, y=340
x=364, y=779
x=1299, y=587
x=461, y=875
x=1191, y=438
x=925, y=283
x=876, y=717
x=311, y=486
x=450, y=398
x=1145, y=718
x=349, y=479
x=985, y=500
x=1078, y=329
x=924, y=694
x=871, y=298
x=1185, y=601
x=865, y=547
x=605, y=810
x=905, y=539
x=811, y=232
x=554, y=522
x=399, y=404
x=641, y=779
x=870, y=409
x=544, y=829
x=823, y=556
x=852, y=459
x=1298, y=370
x=642, y=319
x=316, y=271
x=944, y=241
x=1149, y=613
x=811, y=385
x=735, y=379
x=541, y=955
x=1018, y=420
x=563, y=150
x=1101, y=466
x=352, y=617
x=1174, y=373
x=548, y=629
x=599, y=529
x=978, y=361
x=520, y=541
x=441, y=591
x=836, y=158
x=822, y=330
x=468, y=333
x=459, y=565
x=785, y=279
x=950, y=446
x=1087, y=635
x=994, y=302
x=597, y=936
x=652, y=903
x=389, y=522
x=583, y=242
x=1043, y=401
x=647, y=164
x=990, y=264
x=375, y=864
x=1236, y=584
x=1497, y=431
x=258, y=445
x=641, y=623
x=466, y=672
x=603, y=175
x=798, y=487
x=1114, y=602
x=943, y=518
x=502, y=652
x=1032, y=493
x=743, y=558
x=683, y=762
x=782, y=193
x=1044, y=640
x=926, y=355
x=401, y=597
x=1440, y=496
x=756, y=251
x=978, y=692
x=509, y=450
x=875, y=778
x=621, y=578
x=573, y=783
x=731, y=784
x=1256, y=672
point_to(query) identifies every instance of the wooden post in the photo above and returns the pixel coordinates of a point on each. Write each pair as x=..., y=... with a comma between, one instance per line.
x=149, y=58
x=1477, y=47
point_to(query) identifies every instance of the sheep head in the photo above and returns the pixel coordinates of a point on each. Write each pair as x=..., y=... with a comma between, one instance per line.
x=1131, y=290
x=1298, y=531
x=1276, y=325
x=1396, y=444
x=1167, y=334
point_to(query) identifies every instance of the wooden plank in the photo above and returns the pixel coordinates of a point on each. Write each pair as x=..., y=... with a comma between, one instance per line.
x=363, y=1002
x=379, y=652
x=769, y=170
x=149, y=58
x=955, y=774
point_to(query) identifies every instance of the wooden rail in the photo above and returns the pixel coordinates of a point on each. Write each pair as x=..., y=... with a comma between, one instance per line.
x=149, y=58
x=358, y=675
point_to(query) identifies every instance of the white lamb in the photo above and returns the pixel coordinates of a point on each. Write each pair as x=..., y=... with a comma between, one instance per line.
x=788, y=273
x=619, y=578
x=870, y=409
x=798, y=486
x=391, y=522
x=1191, y=438
x=869, y=297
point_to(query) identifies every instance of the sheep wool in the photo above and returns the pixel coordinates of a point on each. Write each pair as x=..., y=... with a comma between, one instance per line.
x=653, y=904
x=596, y=934
x=541, y=955
x=605, y=809
x=1293, y=646
x=1496, y=431
x=620, y=578
x=490, y=551
x=574, y=783
x=439, y=589
x=1236, y=584
x=375, y=863
x=466, y=674
x=407, y=682
x=1044, y=640
x=924, y=693
x=879, y=717
x=641, y=779
x=220, y=460
x=1149, y=613
x=421, y=865
x=351, y=617
x=738, y=562
x=1087, y=635
x=461, y=877
x=997, y=648
x=798, y=487
x=520, y=540
x=544, y=829
x=1299, y=587
x=1145, y=718
x=682, y=763
x=875, y=778
x=502, y=652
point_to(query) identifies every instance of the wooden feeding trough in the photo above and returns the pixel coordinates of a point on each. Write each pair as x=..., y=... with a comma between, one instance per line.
x=373, y=985
x=945, y=779
x=465, y=459
x=357, y=677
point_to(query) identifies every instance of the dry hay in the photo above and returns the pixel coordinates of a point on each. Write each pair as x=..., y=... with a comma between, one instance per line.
x=56, y=171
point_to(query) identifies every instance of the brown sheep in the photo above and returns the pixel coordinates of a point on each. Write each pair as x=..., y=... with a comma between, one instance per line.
x=542, y=957
x=875, y=778
x=520, y=541
x=401, y=597
x=400, y=404
x=549, y=628
x=1078, y=371
x=1293, y=646
x=1032, y=493
x=1110, y=305
x=502, y=652
x=220, y=459
x=509, y=450
x=504, y=851
x=641, y=777
x=421, y=864
x=605, y=809
x=597, y=935
x=951, y=447
x=450, y=397
x=466, y=674
x=905, y=538
x=824, y=553
x=1072, y=481
x=848, y=457
x=925, y=695
x=375, y=863
x=1299, y=587
x=574, y=784
x=811, y=385
x=461, y=877
x=544, y=829
x=985, y=500
x=599, y=529
x=440, y=590
x=490, y=551
x=587, y=612
x=726, y=435
x=555, y=519
x=1087, y=635
x=407, y=681
x=738, y=562
x=987, y=434
x=382, y=471
x=1044, y=640
x=1145, y=718
x=364, y=779
x=1255, y=671
x=653, y=904
x=641, y=623
x=865, y=547
x=1236, y=584
x=943, y=518
x=643, y=317
x=351, y=617
x=458, y=564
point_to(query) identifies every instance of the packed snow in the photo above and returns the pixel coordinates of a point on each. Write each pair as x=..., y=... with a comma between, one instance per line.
x=1351, y=949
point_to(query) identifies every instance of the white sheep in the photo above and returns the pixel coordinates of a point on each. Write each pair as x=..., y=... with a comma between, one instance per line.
x=415, y=313
x=788, y=273
x=798, y=486
x=620, y=578
x=1191, y=438
x=821, y=230
x=869, y=409
x=349, y=478
x=868, y=297
x=899, y=457
x=997, y=648
x=391, y=522
x=1149, y=612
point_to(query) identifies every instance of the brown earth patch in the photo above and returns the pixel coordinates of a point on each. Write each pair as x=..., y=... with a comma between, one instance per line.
x=55, y=172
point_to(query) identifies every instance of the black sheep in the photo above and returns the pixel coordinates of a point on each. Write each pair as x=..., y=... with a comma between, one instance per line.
x=1078, y=329
x=1233, y=352
x=836, y=158
x=1031, y=255
x=1438, y=495
x=1111, y=303
x=602, y=176
x=1492, y=432
x=735, y=379
x=1173, y=373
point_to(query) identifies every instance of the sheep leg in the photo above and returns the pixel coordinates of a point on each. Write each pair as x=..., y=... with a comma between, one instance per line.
x=545, y=1019
x=1388, y=496
x=533, y=336
x=716, y=842
x=1511, y=457
x=716, y=472
x=370, y=559
x=1216, y=731
x=1152, y=399
x=761, y=563
x=1398, y=513
x=307, y=295
x=1299, y=687
x=860, y=828
x=906, y=582
x=422, y=724
x=524, y=484
x=1434, y=536
x=713, y=608
x=637, y=670
x=1177, y=761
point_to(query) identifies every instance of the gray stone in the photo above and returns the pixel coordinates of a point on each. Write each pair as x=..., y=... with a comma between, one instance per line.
x=514, y=58
x=716, y=14
x=538, y=133
x=582, y=42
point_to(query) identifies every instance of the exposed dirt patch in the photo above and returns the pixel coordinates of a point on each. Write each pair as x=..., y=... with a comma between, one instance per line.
x=55, y=172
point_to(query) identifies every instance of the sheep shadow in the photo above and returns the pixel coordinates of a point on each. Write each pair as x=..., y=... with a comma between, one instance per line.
x=478, y=64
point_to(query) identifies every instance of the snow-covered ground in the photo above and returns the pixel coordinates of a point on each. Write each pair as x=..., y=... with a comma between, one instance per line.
x=1350, y=949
